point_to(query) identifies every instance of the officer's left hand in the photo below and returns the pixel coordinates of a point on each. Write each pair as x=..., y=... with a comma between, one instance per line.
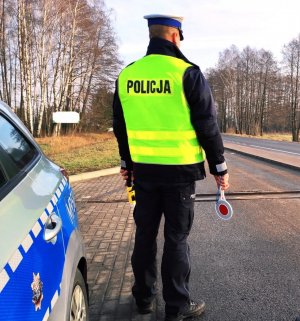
x=222, y=181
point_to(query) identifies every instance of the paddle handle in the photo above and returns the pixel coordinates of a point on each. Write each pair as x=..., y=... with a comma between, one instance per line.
x=221, y=193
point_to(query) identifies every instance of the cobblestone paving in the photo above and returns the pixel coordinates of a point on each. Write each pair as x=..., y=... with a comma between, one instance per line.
x=107, y=227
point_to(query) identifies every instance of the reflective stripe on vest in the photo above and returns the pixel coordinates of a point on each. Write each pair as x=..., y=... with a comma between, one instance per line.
x=156, y=112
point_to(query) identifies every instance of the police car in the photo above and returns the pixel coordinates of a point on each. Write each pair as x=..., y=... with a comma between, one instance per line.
x=43, y=269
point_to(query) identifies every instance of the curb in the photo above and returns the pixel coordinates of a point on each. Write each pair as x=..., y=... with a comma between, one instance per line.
x=89, y=175
x=268, y=160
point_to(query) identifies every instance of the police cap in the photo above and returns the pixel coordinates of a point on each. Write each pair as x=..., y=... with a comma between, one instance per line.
x=165, y=20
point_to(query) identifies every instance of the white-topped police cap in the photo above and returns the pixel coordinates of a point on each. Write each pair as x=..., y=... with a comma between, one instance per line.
x=166, y=20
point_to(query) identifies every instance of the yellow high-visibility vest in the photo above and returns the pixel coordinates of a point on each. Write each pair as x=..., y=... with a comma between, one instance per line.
x=156, y=112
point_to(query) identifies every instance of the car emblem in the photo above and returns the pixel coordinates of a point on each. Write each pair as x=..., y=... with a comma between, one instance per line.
x=37, y=291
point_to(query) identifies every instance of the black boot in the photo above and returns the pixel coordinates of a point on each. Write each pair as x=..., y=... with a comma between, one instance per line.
x=193, y=309
x=145, y=308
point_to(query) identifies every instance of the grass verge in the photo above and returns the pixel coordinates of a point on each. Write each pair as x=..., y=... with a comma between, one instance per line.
x=82, y=152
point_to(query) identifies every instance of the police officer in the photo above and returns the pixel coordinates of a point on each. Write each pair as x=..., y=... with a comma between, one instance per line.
x=164, y=120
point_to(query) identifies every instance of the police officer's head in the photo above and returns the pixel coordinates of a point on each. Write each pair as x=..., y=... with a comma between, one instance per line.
x=165, y=26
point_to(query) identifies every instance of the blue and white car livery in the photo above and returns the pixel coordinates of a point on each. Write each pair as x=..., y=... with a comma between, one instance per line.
x=42, y=259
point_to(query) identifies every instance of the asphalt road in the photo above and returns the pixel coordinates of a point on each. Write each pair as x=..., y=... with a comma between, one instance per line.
x=248, y=268
x=291, y=148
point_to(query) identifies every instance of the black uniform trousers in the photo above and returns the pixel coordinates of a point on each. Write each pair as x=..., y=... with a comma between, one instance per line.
x=176, y=202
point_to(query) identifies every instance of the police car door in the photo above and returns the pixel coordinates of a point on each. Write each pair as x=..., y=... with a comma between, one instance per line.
x=31, y=242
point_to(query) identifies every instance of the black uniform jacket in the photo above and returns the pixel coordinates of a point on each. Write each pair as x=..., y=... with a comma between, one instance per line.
x=203, y=118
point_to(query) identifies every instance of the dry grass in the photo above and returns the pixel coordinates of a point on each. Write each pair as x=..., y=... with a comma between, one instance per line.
x=82, y=153
x=64, y=144
x=283, y=137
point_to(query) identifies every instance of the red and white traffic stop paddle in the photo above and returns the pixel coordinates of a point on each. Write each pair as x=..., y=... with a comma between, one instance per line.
x=223, y=208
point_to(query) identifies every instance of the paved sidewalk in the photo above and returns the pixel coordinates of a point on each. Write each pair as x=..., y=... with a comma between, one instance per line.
x=280, y=158
x=107, y=226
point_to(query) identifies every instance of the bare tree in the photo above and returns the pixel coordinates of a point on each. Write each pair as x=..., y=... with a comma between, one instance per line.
x=291, y=53
x=55, y=57
x=45, y=26
x=242, y=83
x=7, y=51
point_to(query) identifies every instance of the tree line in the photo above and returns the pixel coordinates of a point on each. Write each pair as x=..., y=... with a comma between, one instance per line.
x=56, y=56
x=254, y=93
x=63, y=56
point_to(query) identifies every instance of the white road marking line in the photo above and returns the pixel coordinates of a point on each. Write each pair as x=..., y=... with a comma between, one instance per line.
x=276, y=150
x=261, y=147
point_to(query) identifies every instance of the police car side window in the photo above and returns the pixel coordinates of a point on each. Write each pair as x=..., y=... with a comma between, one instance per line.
x=15, y=152
x=2, y=178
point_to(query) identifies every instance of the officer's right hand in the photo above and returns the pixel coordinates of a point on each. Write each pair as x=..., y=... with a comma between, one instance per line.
x=223, y=181
x=124, y=174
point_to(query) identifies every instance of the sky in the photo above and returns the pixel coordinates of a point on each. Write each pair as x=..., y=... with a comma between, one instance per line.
x=209, y=26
